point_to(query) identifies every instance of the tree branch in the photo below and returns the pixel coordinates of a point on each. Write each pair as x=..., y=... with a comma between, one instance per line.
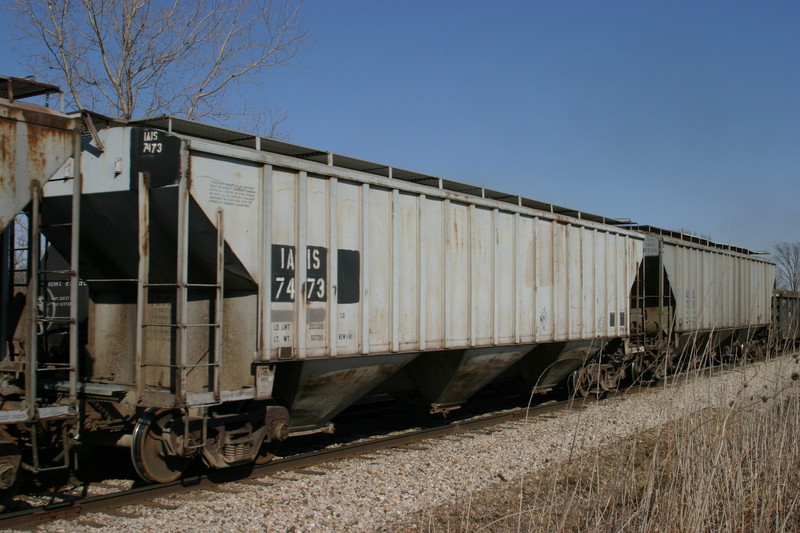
x=127, y=57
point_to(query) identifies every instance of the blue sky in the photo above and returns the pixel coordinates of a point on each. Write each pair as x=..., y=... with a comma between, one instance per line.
x=674, y=114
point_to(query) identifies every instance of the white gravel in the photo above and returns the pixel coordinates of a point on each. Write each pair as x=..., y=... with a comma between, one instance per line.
x=375, y=493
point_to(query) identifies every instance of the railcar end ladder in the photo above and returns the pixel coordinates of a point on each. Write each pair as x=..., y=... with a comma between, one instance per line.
x=36, y=370
x=179, y=393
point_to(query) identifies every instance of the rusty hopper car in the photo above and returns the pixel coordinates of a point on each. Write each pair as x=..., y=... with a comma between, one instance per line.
x=695, y=296
x=36, y=144
x=242, y=289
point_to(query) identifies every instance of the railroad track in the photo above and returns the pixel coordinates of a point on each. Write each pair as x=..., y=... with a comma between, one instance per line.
x=30, y=518
x=216, y=479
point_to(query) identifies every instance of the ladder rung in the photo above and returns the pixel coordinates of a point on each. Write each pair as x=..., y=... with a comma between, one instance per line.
x=66, y=178
x=56, y=320
x=188, y=285
x=52, y=468
x=179, y=325
x=111, y=280
x=62, y=225
x=202, y=365
x=70, y=272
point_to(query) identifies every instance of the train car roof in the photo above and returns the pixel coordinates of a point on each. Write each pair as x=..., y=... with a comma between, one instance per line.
x=689, y=238
x=257, y=142
x=16, y=88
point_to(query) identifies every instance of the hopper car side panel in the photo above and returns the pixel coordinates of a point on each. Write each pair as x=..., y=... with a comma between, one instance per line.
x=420, y=271
x=708, y=294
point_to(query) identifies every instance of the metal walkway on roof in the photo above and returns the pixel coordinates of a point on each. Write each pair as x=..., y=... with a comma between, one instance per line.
x=17, y=88
x=686, y=237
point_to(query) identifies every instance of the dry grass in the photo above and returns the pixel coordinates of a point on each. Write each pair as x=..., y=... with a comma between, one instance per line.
x=735, y=467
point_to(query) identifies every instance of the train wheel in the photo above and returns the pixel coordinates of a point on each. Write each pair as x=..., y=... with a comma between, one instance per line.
x=583, y=382
x=279, y=430
x=10, y=461
x=150, y=451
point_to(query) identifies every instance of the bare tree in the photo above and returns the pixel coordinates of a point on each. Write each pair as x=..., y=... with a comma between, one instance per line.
x=144, y=57
x=787, y=261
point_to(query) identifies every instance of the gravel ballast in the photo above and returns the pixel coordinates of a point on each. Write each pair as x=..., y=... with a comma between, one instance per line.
x=382, y=492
